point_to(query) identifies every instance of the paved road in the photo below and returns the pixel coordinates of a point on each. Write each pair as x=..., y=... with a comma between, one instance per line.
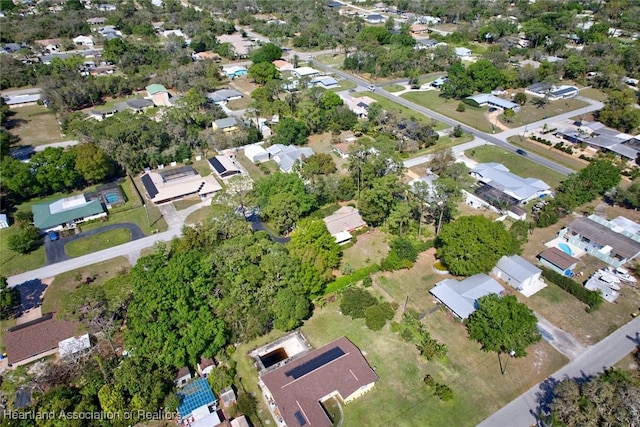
x=57, y=145
x=522, y=411
x=55, y=250
x=477, y=142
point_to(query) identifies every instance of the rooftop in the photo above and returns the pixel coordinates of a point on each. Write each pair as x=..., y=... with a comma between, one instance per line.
x=498, y=176
x=223, y=95
x=299, y=386
x=156, y=88
x=517, y=267
x=558, y=258
x=227, y=122
x=487, y=98
x=62, y=211
x=169, y=187
x=346, y=218
x=605, y=236
x=461, y=297
x=305, y=71
x=193, y=395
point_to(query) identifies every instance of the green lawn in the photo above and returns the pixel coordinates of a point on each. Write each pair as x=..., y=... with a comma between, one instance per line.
x=474, y=117
x=404, y=111
x=343, y=85
x=4, y=325
x=516, y=164
x=14, y=263
x=198, y=216
x=35, y=125
x=331, y=59
x=202, y=166
x=65, y=283
x=548, y=152
x=370, y=248
x=592, y=93
x=394, y=88
x=185, y=203
x=529, y=113
x=256, y=171
x=97, y=242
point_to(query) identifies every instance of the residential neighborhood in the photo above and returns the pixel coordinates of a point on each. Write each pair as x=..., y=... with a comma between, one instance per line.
x=332, y=213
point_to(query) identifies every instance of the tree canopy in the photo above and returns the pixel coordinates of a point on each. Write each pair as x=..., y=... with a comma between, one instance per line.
x=268, y=52
x=474, y=244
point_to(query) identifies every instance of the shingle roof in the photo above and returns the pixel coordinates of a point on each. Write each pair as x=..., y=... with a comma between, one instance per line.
x=298, y=386
x=604, y=236
x=227, y=122
x=44, y=217
x=36, y=337
x=517, y=267
x=558, y=258
x=346, y=218
x=461, y=297
x=223, y=95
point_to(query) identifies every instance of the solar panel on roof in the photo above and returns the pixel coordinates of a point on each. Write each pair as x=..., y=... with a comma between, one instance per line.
x=315, y=363
x=177, y=173
x=195, y=394
x=300, y=418
x=217, y=165
x=151, y=188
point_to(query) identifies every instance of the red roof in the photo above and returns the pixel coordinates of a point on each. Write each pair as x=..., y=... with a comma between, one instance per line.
x=558, y=258
x=37, y=337
x=298, y=386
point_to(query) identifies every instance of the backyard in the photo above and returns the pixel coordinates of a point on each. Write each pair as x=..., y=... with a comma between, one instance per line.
x=515, y=163
x=370, y=248
x=256, y=171
x=35, y=125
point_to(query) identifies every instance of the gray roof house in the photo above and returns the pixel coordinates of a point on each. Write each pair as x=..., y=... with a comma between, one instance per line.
x=286, y=156
x=461, y=297
x=519, y=273
x=500, y=178
x=494, y=101
x=223, y=95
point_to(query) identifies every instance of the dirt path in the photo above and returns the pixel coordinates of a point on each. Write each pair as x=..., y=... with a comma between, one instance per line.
x=492, y=117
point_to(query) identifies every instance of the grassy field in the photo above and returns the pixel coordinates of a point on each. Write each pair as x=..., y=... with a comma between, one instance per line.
x=202, y=166
x=256, y=171
x=12, y=262
x=185, y=203
x=343, y=85
x=65, y=283
x=394, y=88
x=198, y=216
x=474, y=117
x=592, y=93
x=35, y=125
x=552, y=154
x=97, y=242
x=404, y=111
x=369, y=248
x=516, y=164
x=529, y=113
x=331, y=59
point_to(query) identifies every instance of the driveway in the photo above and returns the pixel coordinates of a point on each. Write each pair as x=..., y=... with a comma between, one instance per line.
x=55, y=250
x=562, y=341
x=258, y=225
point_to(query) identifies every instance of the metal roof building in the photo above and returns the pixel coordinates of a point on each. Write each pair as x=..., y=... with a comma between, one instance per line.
x=461, y=297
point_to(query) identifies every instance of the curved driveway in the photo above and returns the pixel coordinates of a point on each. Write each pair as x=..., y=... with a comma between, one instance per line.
x=55, y=250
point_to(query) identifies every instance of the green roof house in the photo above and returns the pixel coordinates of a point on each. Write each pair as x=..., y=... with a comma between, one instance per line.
x=159, y=95
x=70, y=210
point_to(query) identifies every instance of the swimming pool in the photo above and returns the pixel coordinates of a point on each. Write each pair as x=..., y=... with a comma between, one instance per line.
x=111, y=197
x=565, y=248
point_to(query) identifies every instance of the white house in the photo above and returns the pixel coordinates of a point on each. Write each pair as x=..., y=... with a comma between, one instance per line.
x=83, y=41
x=461, y=297
x=286, y=156
x=305, y=72
x=519, y=273
x=256, y=153
x=519, y=190
x=374, y=18
x=463, y=52
x=324, y=81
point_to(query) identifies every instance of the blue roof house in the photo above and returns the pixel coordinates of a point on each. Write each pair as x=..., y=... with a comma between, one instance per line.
x=462, y=297
x=197, y=403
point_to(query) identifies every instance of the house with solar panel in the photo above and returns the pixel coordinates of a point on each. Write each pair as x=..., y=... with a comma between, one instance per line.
x=175, y=184
x=224, y=166
x=198, y=406
x=298, y=388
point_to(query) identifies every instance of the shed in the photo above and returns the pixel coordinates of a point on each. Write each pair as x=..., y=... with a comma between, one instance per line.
x=462, y=52
x=519, y=273
x=558, y=261
x=256, y=153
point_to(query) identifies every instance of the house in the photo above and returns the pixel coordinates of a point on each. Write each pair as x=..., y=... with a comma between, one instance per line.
x=598, y=238
x=176, y=33
x=135, y=105
x=531, y=63
x=429, y=180
x=359, y=106
x=342, y=149
x=598, y=136
x=462, y=52
x=324, y=81
x=178, y=183
x=206, y=55
x=66, y=212
x=100, y=115
x=520, y=274
x=83, y=41
x=343, y=222
x=222, y=96
x=462, y=297
x=431, y=20
x=159, y=95
x=224, y=166
x=563, y=92
x=73, y=346
x=256, y=153
x=507, y=185
x=425, y=44
x=297, y=390
x=103, y=70
x=558, y=261
x=4, y=221
x=305, y=72
x=205, y=366
x=228, y=124
x=235, y=71
x=240, y=421
x=282, y=65
x=286, y=156
x=418, y=29
x=484, y=99
x=182, y=377
x=227, y=397
x=334, y=4
x=198, y=405
x=96, y=21
x=25, y=100
x=109, y=33
x=240, y=45
x=374, y=18
x=36, y=339
x=104, y=7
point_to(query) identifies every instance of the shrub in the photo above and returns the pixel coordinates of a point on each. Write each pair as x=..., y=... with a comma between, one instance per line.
x=355, y=301
x=413, y=331
x=457, y=131
x=471, y=102
x=367, y=282
x=356, y=276
x=443, y=391
x=461, y=108
x=376, y=316
x=25, y=240
x=592, y=298
x=403, y=254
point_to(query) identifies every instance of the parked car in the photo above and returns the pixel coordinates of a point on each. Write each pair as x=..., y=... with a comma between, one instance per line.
x=352, y=90
x=372, y=88
x=521, y=152
x=53, y=236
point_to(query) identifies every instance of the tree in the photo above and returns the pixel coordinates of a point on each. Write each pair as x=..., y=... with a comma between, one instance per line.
x=441, y=160
x=355, y=301
x=93, y=163
x=485, y=75
x=503, y=325
x=520, y=98
x=268, y=52
x=457, y=131
x=290, y=131
x=575, y=67
x=376, y=316
x=262, y=72
x=619, y=112
x=318, y=164
x=312, y=244
x=376, y=202
x=399, y=218
x=9, y=300
x=289, y=309
x=25, y=240
x=474, y=244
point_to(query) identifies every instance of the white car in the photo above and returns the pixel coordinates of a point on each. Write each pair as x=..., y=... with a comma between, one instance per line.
x=622, y=274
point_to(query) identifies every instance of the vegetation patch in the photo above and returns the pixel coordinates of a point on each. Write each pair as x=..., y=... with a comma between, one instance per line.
x=593, y=299
x=97, y=242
